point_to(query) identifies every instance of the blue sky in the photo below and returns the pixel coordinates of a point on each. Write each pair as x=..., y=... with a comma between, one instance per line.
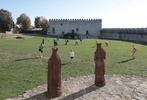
x=114, y=13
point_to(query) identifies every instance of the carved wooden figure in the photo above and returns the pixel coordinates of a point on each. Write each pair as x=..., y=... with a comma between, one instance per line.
x=54, y=75
x=99, y=57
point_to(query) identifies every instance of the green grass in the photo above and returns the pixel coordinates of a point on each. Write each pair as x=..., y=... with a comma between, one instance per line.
x=21, y=69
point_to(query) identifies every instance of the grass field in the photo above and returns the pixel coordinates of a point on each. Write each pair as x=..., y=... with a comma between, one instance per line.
x=21, y=69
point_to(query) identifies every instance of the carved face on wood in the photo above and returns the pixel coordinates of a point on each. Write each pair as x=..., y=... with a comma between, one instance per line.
x=98, y=45
x=54, y=53
x=99, y=53
x=54, y=50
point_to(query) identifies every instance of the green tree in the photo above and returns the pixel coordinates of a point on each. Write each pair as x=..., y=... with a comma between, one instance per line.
x=24, y=20
x=6, y=20
x=41, y=22
x=37, y=22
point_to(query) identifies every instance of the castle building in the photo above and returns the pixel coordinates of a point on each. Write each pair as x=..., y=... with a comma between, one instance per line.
x=83, y=28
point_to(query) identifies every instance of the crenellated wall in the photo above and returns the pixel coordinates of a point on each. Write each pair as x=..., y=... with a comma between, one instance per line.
x=84, y=27
x=92, y=28
x=125, y=34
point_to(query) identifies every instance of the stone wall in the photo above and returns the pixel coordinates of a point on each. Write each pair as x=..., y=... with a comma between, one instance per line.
x=84, y=27
x=125, y=34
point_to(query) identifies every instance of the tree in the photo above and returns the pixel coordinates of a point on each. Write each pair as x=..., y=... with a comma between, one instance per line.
x=6, y=21
x=37, y=22
x=24, y=21
x=44, y=23
x=41, y=22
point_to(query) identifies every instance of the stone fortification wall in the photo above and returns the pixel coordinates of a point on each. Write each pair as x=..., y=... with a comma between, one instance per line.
x=126, y=34
x=84, y=27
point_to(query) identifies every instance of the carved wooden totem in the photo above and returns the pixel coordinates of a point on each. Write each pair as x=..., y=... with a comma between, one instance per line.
x=99, y=57
x=54, y=75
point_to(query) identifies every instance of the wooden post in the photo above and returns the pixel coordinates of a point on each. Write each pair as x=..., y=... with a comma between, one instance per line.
x=99, y=57
x=54, y=75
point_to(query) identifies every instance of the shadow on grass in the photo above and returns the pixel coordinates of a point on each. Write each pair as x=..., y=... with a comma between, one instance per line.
x=45, y=96
x=124, y=61
x=26, y=58
x=63, y=64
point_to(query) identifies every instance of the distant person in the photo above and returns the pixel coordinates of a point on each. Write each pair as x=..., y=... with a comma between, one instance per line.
x=81, y=40
x=77, y=42
x=71, y=55
x=106, y=43
x=43, y=41
x=66, y=41
x=57, y=38
x=133, y=51
x=41, y=50
x=55, y=42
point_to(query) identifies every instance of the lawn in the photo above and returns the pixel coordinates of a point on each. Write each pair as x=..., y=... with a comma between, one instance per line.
x=21, y=69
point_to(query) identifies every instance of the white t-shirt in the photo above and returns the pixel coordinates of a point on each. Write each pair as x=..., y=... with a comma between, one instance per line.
x=71, y=54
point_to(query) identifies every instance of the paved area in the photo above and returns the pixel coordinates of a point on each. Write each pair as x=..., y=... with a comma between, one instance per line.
x=117, y=87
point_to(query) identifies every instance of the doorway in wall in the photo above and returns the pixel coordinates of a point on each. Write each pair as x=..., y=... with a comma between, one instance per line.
x=72, y=34
x=87, y=34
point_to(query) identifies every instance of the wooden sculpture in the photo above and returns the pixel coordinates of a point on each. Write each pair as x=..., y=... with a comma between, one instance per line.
x=54, y=75
x=99, y=57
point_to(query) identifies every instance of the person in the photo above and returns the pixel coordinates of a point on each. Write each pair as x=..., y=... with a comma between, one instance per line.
x=133, y=51
x=55, y=42
x=41, y=50
x=81, y=40
x=71, y=55
x=106, y=43
x=43, y=41
x=76, y=42
x=66, y=41
x=57, y=38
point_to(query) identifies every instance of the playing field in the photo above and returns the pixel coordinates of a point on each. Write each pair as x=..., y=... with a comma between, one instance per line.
x=21, y=69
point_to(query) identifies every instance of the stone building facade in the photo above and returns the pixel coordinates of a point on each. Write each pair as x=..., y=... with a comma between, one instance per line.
x=138, y=35
x=84, y=28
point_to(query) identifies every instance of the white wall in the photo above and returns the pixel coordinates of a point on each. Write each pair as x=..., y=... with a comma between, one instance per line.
x=93, y=26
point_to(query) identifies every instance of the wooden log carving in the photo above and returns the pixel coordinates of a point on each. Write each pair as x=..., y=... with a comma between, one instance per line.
x=99, y=57
x=54, y=75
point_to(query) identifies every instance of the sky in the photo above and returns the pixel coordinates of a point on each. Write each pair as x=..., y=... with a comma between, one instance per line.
x=114, y=13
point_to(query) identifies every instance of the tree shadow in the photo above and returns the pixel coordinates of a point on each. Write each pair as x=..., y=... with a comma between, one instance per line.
x=124, y=61
x=27, y=58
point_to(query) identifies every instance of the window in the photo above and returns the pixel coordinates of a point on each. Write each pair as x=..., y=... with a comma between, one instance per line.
x=53, y=30
x=72, y=32
x=87, y=32
x=63, y=33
